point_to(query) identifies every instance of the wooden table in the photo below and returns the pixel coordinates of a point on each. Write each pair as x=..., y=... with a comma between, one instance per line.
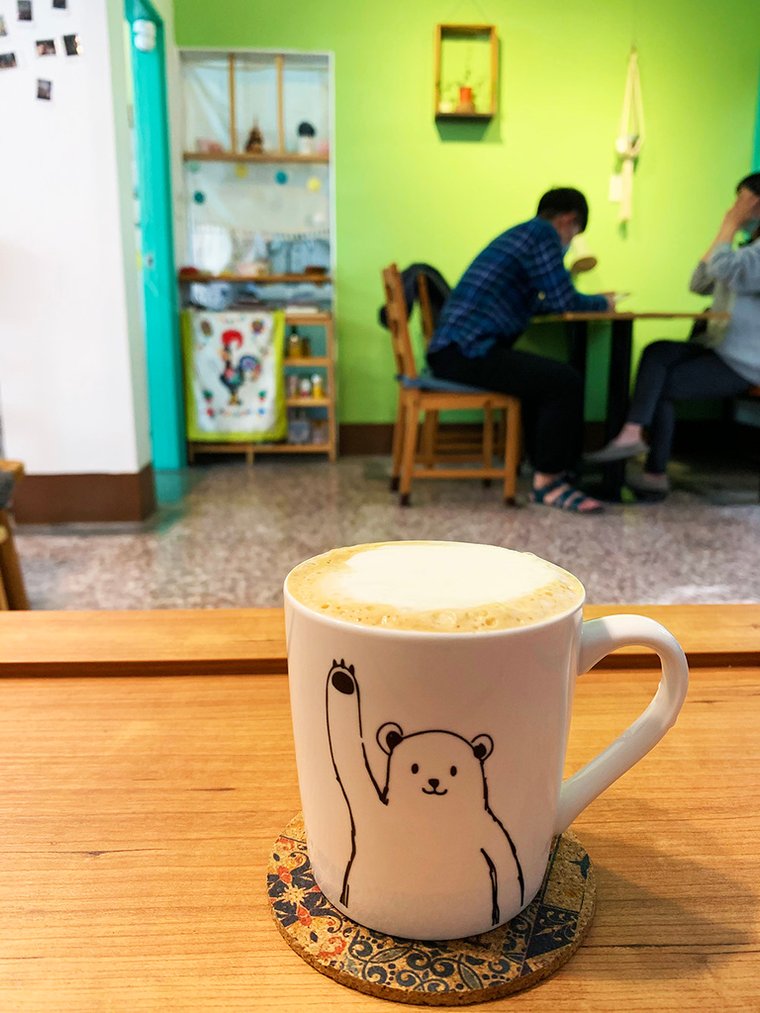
x=138, y=812
x=619, y=371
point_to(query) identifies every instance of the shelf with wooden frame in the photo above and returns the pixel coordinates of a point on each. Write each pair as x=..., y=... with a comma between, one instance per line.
x=308, y=402
x=465, y=110
x=251, y=449
x=268, y=157
x=234, y=153
x=188, y=277
x=305, y=361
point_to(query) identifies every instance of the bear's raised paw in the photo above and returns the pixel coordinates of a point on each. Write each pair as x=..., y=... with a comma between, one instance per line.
x=342, y=677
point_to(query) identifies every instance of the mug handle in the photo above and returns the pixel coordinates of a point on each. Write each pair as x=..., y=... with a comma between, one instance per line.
x=598, y=638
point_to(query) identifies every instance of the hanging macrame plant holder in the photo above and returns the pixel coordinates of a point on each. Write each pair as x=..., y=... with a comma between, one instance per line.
x=629, y=141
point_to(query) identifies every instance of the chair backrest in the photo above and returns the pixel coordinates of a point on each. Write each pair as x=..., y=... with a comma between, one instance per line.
x=426, y=308
x=398, y=322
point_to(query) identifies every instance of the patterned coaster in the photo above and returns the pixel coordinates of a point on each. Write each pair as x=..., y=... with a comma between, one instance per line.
x=451, y=973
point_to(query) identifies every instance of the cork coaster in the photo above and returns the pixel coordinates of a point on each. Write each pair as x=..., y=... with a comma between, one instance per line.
x=450, y=973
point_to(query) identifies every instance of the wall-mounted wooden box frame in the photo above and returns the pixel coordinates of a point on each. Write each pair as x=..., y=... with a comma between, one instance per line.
x=461, y=109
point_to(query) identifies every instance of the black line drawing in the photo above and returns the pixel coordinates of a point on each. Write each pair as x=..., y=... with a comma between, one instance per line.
x=432, y=810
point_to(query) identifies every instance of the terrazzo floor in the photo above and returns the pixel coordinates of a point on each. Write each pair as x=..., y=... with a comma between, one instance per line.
x=226, y=535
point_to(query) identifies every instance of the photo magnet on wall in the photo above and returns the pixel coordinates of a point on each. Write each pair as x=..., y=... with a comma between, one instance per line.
x=44, y=89
x=3, y=28
x=45, y=47
x=60, y=5
x=73, y=45
x=7, y=60
x=24, y=8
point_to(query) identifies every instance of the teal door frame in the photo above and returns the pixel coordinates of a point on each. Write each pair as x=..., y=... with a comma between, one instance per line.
x=151, y=133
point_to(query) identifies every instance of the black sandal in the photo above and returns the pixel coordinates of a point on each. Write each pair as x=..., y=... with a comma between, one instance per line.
x=571, y=499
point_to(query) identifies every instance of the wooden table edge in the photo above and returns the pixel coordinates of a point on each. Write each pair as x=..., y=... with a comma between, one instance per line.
x=252, y=641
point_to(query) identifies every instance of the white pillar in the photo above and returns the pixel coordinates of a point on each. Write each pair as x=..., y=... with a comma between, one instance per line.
x=72, y=359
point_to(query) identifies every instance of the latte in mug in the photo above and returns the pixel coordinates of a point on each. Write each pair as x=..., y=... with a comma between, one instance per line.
x=431, y=687
x=435, y=587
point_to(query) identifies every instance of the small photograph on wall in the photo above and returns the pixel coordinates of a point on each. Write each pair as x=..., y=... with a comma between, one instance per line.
x=73, y=45
x=3, y=27
x=60, y=5
x=7, y=61
x=45, y=47
x=24, y=8
x=44, y=89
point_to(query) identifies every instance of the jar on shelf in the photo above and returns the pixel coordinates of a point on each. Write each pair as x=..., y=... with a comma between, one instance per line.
x=319, y=431
x=304, y=387
x=317, y=385
x=299, y=428
x=291, y=385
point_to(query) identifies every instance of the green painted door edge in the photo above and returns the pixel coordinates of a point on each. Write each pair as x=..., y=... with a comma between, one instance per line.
x=163, y=354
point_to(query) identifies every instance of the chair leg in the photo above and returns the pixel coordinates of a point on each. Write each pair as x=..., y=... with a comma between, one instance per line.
x=398, y=442
x=487, y=442
x=429, y=433
x=512, y=442
x=411, y=421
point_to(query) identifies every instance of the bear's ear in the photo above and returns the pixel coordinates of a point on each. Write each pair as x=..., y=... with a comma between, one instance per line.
x=388, y=736
x=482, y=746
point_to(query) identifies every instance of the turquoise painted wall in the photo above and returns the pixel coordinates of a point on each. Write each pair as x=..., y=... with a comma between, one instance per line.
x=407, y=191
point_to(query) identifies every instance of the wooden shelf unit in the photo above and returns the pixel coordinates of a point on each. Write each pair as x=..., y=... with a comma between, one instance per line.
x=324, y=362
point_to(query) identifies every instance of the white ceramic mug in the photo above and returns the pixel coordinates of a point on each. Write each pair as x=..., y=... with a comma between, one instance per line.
x=389, y=721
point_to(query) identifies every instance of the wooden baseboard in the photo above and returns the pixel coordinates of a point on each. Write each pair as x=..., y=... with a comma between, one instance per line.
x=365, y=438
x=65, y=499
x=692, y=435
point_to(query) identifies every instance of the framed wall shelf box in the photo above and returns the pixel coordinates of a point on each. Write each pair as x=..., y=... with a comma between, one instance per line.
x=466, y=72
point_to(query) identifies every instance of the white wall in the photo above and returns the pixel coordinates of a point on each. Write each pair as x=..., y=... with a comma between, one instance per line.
x=72, y=362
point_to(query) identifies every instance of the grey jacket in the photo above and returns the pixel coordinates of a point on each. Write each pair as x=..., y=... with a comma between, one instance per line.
x=740, y=270
x=703, y=283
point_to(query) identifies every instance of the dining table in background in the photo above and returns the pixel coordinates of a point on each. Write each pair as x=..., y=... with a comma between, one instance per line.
x=618, y=372
x=148, y=768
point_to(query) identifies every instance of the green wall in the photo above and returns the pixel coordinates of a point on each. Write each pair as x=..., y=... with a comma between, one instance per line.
x=409, y=191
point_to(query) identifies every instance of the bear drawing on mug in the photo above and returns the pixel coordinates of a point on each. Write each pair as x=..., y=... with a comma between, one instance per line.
x=434, y=802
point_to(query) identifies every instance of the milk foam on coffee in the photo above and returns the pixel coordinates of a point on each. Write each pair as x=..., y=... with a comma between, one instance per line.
x=447, y=587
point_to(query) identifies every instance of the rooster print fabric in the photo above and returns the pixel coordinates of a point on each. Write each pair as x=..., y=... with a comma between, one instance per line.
x=234, y=378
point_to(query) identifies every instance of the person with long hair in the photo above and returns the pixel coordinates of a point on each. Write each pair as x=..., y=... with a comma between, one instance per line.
x=724, y=362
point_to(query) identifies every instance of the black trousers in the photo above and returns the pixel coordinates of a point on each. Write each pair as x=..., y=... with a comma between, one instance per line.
x=551, y=393
x=672, y=371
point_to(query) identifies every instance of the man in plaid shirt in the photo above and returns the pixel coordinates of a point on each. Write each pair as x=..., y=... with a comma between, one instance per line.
x=518, y=275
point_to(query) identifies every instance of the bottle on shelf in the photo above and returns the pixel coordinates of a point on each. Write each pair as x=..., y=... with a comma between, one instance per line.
x=295, y=345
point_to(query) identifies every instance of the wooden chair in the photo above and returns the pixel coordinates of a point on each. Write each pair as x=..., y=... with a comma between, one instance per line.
x=426, y=395
x=11, y=578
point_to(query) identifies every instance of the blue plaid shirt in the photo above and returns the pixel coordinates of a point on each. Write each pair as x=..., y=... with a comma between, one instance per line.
x=521, y=273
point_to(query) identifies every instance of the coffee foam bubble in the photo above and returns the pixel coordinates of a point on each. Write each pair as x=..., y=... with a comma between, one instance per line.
x=446, y=587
